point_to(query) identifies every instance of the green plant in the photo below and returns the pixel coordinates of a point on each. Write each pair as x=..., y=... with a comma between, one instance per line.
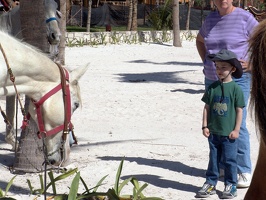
x=53, y=180
x=112, y=193
x=3, y=194
x=161, y=17
x=188, y=35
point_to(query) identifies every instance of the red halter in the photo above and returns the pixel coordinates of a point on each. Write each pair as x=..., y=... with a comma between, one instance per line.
x=67, y=107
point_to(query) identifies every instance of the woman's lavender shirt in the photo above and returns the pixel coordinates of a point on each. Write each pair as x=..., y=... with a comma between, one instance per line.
x=231, y=32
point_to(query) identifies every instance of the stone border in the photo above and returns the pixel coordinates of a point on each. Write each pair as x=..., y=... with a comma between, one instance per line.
x=129, y=37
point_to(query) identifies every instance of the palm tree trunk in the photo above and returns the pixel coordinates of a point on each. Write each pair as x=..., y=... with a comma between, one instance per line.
x=135, y=16
x=29, y=157
x=130, y=12
x=62, y=25
x=89, y=16
x=176, y=26
x=34, y=28
x=190, y=3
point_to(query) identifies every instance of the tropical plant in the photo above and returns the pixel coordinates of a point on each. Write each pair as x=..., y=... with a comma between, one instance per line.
x=92, y=193
x=161, y=17
x=3, y=194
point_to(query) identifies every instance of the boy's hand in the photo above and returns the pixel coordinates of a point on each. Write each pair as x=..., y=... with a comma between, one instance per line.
x=206, y=132
x=234, y=134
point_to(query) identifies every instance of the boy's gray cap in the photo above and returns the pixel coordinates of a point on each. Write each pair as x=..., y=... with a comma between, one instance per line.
x=228, y=56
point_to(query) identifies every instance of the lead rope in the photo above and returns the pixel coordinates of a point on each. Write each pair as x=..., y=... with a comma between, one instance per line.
x=12, y=79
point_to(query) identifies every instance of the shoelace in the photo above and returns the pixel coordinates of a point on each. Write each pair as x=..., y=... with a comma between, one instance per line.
x=243, y=177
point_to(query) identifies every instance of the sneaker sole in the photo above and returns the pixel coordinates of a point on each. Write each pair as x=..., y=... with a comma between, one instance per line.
x=204, y=195
x=243, y=185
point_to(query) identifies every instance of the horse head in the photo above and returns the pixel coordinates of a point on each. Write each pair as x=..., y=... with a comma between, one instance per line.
x=54, y=115
x=53, y=90
x=52, y=16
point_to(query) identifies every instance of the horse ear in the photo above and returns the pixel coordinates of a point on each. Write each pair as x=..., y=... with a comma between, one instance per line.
x=77, y=73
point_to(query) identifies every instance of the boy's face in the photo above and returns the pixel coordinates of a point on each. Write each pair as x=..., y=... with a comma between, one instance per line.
x=223, y=69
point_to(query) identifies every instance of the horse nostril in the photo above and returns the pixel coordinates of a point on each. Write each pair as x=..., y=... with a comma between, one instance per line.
x=76, y=105
x=52, y=162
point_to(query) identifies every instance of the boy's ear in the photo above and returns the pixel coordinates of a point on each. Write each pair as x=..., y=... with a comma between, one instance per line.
x=234, y=69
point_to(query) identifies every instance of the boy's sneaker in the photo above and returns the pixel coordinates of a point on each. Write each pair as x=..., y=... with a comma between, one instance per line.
x=206, y=191
x=229, y=192
x=244, y=180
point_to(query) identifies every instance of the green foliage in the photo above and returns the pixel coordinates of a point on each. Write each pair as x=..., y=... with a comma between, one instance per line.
x=103, y=29
x=161, y=17
x=53, y=180
x=3, y=194
x=89, y=193
x=188, y=35
x=198, y=3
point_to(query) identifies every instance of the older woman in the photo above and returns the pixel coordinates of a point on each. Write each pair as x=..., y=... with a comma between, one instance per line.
x=230, y=27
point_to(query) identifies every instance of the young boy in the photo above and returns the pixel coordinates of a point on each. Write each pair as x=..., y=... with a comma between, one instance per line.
x=222, y=117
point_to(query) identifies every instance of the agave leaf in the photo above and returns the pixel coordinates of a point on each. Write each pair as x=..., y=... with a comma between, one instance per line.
x=60, y=197
x=51, y=176
x=98, y=195
x=99, y=183
x=118, y=174
x=9, y=185
x=121, y=185
x=112, y=194
x=85, y=185
x=139, y=192
x=62, y=176
x=30, y=186
x=1, y=193
x=42, y=184
x=74, y=187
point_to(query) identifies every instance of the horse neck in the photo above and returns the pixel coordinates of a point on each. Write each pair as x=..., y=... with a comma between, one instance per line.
x=50, y=8
x=34, y=73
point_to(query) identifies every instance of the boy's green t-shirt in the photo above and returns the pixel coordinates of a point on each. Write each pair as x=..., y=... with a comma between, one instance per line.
x=222, y=114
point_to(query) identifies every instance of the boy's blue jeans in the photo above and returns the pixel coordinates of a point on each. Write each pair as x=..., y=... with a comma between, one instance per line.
x=222, y=146
x=243, y=157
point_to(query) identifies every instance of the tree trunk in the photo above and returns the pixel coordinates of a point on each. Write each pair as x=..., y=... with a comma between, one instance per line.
x=245, y=3
x=135, y=16
x=130, y=12
x=34, y=28
x=68, y=10
x=62, y=25
x=190, y=3
x=176, y=26
x=29, y=157
x=89, y=16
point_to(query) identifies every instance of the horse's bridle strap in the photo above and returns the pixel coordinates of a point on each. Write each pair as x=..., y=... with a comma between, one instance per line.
x=67, y=106
x=50, y=19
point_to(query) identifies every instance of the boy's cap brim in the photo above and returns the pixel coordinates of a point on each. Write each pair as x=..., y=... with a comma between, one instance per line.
x=228, y=56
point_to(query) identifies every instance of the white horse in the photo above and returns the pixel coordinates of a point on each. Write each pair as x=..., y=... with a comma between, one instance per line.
x=10, y=23
x=35, y=76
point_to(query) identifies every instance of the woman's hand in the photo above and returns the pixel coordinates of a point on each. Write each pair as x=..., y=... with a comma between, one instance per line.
x=245, y=66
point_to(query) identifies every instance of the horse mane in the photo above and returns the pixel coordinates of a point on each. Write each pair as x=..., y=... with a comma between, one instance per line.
x=257, y=49
x=10, y=37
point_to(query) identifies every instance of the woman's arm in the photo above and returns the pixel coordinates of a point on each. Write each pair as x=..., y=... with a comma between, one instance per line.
x=201, y=47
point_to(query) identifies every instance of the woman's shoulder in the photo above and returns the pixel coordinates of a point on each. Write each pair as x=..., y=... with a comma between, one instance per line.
x=242, y=12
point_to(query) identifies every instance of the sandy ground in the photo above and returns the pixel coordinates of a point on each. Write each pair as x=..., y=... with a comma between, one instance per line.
x=141, y=102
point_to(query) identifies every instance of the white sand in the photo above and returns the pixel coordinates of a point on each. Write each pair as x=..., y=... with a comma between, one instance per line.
x=141, y=102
